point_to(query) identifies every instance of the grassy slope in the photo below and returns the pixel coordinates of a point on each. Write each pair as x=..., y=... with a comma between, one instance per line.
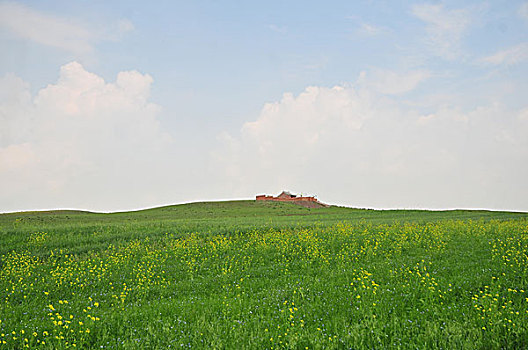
x=230, y=283
x=252, y=209
x=80, y=231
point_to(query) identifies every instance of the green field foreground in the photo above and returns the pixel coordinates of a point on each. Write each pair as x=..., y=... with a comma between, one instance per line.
x=248, y=275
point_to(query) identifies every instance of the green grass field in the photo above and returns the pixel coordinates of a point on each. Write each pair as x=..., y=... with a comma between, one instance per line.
x=267, y=275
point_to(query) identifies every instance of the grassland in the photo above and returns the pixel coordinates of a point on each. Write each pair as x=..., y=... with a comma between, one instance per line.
x=242, y=274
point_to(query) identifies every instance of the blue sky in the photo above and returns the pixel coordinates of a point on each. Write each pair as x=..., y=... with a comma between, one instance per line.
x=125, y=104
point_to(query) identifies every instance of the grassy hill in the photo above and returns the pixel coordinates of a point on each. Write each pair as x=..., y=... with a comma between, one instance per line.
x=82, y=231
x=264, y=275
x=252, y=209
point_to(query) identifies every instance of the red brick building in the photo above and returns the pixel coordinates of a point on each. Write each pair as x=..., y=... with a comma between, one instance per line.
x=286, y=196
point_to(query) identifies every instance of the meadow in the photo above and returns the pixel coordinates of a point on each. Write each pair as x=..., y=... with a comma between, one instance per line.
x=248, y=275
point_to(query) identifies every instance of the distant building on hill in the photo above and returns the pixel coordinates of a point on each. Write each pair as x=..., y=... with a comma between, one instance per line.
x=286, y=196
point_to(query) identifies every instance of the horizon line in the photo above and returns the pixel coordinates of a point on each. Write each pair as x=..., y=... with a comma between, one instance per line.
x=43, y=210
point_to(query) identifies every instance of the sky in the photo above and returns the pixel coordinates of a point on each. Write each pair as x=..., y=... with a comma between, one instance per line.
x=121, y=105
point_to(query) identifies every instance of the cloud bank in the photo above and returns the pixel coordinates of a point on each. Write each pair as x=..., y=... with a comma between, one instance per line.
x=356, y=146
x=81, y=142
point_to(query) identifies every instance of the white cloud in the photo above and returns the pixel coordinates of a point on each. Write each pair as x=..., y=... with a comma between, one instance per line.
x=277, y=29
x=353, y=146
x=510, y=56
x=523, y=114
x=523, y=10
x=124, y=26
x=15, y=110
x=367, y=29
x=393, y=83
x=60, y=32
x=274, y=149
x=16, y=157
x=445, y=28
x=119, y=29
x=83, y=142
